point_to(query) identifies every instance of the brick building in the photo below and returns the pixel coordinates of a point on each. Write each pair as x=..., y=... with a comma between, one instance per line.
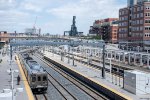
x=106, y=28
x=3, y=34
x=134, y=25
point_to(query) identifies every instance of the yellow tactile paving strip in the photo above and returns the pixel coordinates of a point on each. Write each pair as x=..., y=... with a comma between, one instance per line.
x=28, y=89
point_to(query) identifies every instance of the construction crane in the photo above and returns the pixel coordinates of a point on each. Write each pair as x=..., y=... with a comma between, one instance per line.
x=34, y=28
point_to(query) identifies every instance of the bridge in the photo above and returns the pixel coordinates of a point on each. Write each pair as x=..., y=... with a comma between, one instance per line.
x=35, y=37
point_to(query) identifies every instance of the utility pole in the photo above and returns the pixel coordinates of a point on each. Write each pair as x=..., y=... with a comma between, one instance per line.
x=103, y=68
x=68, y=54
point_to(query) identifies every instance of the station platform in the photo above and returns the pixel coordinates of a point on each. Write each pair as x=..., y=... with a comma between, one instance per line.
x=114, y=85
x=115, y=62
x=6, y=83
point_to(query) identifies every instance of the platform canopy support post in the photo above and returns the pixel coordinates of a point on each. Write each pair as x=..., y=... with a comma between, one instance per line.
x=103, y=68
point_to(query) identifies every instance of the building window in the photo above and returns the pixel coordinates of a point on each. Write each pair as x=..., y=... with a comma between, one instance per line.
x=147, y=14
x=120, y=13
x=147, y=7
x=138, y=15
x=147, y=27
x=134, y=15
x=138, y=22
x=138, y=8
x=147, y=34
x=141, y=28
x=141, y=7
x=141, y=21
x=141, y=14
x=141, y=34
x=134, y=9
x=147, y=21
x=115, y=30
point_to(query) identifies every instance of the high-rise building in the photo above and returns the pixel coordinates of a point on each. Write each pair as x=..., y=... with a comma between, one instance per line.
x=134, y=26
x=131, y=3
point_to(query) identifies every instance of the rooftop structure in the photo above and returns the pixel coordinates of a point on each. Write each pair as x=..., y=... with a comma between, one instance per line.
x=73, y=31
x=107, y=28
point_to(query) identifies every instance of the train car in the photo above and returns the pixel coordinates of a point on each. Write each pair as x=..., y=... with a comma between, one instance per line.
x=35, y=74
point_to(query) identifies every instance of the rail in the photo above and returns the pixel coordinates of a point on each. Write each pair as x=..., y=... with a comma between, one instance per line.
x=88, y=90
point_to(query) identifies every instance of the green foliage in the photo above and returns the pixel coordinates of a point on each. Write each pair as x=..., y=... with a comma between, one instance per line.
x=1, y=45
x=96, y=37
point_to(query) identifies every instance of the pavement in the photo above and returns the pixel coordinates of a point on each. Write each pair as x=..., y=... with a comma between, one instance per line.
x=5, y=79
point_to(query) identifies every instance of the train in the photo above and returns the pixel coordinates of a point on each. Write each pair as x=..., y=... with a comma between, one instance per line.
x=35, y=74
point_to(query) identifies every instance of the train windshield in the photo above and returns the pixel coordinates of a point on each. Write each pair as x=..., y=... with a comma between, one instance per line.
x=39, y=78
x=33, y=79
x=44, y=78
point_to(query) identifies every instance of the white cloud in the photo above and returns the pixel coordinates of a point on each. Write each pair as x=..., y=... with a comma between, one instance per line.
x=35, y=5
x=88, y=8
x=87, y=11
x=55, y=16
x=11, y=19
x=32, y=7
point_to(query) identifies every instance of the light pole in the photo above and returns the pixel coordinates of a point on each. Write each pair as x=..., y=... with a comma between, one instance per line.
x=68, y=54
x=12, y=83
x=72, y=57
x=61, y=55
x=53, y=51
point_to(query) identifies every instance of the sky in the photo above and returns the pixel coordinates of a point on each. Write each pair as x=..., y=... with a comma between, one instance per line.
x=55, y=16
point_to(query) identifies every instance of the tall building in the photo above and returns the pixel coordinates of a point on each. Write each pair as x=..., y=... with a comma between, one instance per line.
x=131, y=3
x=106, y=28
x=134, y=26
x=33, y=31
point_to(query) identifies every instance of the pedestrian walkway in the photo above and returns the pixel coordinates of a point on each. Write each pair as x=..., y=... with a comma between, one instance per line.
x=6, y=83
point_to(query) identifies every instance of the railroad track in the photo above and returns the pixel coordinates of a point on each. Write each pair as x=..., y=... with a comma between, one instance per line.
x=99, y=68
x=40, y=97
x=93, y=94
x=60, y=88
x=96, y=66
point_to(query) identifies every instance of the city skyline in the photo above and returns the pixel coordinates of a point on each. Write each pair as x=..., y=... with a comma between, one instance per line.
x=55, y=16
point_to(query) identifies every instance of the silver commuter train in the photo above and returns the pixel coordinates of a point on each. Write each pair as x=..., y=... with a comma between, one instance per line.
x=35, y=74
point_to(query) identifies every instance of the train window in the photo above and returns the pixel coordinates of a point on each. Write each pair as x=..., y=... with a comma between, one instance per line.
x=33, y=79
x=44, y=78
x=39, y=78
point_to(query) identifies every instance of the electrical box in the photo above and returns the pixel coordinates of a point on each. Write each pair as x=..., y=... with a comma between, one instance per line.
x=137, y=82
